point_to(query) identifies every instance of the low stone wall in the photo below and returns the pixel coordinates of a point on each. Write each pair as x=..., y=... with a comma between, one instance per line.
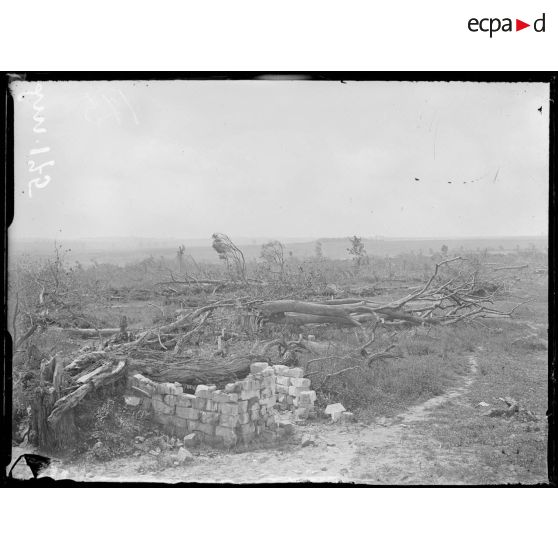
x=240, y=412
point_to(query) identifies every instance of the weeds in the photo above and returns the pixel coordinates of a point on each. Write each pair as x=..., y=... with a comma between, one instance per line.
x=113, y=431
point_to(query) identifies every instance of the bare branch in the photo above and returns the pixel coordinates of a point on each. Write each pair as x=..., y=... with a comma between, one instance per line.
x=382, y=355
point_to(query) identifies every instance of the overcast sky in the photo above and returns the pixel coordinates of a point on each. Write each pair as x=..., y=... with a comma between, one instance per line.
x=282, y=159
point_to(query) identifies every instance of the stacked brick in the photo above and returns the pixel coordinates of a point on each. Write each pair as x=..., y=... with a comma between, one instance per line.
x=240, y=412
x=293, y=391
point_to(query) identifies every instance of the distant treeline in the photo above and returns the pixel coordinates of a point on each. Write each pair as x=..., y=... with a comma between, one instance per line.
x=128, y=250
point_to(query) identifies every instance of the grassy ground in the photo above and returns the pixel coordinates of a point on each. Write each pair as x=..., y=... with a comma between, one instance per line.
x=507, y=448
x=458, y=442
x=430, y=361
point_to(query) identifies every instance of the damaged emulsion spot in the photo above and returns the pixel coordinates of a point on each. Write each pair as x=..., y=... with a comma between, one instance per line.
x=36, y=463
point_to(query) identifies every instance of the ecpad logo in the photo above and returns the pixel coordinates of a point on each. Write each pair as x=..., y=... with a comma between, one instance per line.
x=493, y=25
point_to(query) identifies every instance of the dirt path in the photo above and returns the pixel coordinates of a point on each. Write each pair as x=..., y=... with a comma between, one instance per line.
x=399, y=450
x=404, y=454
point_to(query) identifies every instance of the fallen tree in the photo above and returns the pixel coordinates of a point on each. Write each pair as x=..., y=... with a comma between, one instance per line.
x=104, y=377
x=442, y=301
x=196, y=371
x=87, y=333
x=449, y=296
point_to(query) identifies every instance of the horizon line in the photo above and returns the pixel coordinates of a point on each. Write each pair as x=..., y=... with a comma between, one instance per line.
x=294, y=238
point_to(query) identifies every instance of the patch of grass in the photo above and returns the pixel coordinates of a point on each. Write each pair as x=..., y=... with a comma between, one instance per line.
x=433, y=361
x=419, y=346
x=504, y=449
x=390, y=386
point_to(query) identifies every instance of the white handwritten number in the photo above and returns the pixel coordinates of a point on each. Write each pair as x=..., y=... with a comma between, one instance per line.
x=38, y=184
x=38, y=128
x=33, y=168
x=38, y=151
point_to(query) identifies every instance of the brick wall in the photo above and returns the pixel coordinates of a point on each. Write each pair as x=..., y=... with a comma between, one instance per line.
x=241, y=412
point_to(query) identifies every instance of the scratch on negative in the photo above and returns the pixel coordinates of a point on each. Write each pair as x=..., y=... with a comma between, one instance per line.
x=114, y=111
x=129, y=106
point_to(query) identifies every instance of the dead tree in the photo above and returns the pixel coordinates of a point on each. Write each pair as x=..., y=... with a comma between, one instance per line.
x=357, y=251
x=52, y=415
x=180, y=257
x=229, y=252
x=272, y=254
x=440, y=301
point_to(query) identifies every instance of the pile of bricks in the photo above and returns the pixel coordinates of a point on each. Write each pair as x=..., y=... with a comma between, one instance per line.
x=293, y=391
x=240, y=412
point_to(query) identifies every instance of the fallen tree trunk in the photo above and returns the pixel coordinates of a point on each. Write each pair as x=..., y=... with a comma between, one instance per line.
x=88, y=333
x=444, y=299
x=347, y=313
x=345, y=301
x=199, y=371
x=68, y=402
x=282, y=306
x=84, y=360
x=89, y=375
x=72, y=399
x=305, y=319
x=310, y=312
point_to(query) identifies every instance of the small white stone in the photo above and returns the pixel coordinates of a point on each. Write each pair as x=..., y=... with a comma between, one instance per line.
x=335, y=410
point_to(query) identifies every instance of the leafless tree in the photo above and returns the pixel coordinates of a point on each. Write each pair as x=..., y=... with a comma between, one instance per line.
x=273, y=255
x=180, y=257
x=357, y=251
x=229, y=252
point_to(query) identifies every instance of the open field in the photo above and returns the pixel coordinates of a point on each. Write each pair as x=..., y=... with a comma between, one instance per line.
x=128, y=250
x=435, y=413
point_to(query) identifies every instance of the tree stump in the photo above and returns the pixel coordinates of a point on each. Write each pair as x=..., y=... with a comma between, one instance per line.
x=59, y=437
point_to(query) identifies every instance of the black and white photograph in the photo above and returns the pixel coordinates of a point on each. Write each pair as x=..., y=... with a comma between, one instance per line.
x=276, y=278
